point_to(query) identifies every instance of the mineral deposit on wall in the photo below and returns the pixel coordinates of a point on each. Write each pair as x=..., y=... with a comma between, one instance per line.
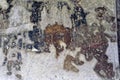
x=58, y=40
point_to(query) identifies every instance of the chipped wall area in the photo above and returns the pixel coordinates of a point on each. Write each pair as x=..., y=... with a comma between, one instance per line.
x=58, y=40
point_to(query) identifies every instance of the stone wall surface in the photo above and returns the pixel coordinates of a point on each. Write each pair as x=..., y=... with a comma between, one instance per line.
x=45, y=65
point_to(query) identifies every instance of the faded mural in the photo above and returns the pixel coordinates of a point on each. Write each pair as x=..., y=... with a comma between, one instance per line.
x=58, y=40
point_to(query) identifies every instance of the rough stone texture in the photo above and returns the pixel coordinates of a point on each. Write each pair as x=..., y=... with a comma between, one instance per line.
x=45, y=66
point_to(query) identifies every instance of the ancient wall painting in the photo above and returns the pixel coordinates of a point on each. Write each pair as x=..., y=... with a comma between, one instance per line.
x=59, y=40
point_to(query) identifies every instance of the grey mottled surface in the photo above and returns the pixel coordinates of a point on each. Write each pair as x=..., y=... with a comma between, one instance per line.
x=45, y=66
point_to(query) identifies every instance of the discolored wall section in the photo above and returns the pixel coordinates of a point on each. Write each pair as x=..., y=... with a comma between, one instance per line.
x=44, y=65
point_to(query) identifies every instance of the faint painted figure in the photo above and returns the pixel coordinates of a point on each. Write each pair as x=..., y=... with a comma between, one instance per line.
x=68, y=64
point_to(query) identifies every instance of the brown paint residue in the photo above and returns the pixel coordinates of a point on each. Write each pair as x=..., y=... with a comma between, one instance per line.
x=56, y=33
